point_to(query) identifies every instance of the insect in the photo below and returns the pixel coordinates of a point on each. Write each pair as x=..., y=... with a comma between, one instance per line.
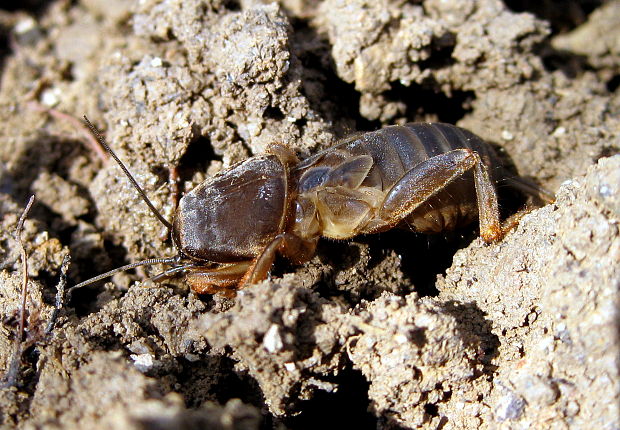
x=430, y=177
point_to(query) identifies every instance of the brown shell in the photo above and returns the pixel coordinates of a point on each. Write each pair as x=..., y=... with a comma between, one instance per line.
x=234, y=215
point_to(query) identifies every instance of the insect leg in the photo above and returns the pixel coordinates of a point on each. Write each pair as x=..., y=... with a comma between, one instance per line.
x=296, y=249
x=293, y=247
x=486, y=197
x=172, y=272
x=431, y=176
x=222, y=279
x=259, y=268
x=226, y=279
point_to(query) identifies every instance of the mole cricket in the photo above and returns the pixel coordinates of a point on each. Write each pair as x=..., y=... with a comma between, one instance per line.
x=429, y=177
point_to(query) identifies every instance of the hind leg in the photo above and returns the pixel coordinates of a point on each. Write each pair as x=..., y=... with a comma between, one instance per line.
x=428, y=178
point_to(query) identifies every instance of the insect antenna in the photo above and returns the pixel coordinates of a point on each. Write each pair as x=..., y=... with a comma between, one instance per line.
x=164, y=221
x=148, y=262
x=135, y=184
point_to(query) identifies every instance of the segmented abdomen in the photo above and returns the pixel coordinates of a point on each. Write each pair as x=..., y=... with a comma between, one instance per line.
x=397, y=149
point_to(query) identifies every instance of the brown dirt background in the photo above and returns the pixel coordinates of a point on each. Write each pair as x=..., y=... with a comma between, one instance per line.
x=392, y=331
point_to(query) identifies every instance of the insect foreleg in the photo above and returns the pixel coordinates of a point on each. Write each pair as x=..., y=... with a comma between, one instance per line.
x=222, y=279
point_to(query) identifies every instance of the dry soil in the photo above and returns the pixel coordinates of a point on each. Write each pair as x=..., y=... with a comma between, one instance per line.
x=389, y=331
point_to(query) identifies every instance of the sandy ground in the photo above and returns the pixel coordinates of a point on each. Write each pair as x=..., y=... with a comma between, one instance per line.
x=390, y=331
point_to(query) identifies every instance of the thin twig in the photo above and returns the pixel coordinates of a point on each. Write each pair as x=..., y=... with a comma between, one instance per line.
x=10, y=379
x=12, y=373
x=60, y=293
x=18, y=236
